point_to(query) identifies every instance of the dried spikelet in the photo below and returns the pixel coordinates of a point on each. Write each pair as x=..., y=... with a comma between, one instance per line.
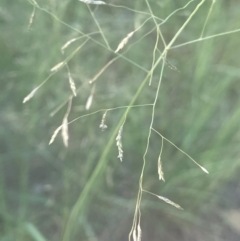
x=93, y=2
x=55, y=135
x=28, y=97
x=31, y=18
x=204, y=169
x=72, y=84
x=170, y=202
x=67, y=44
x=119, y=143
x=134, y=234
x=124, y=41
x=90, y=99
x=57, y=67
x=89, y=102
x=160, y=171
x=65, y=131
x=65, y=135
x=103, y=126
x=139, y=236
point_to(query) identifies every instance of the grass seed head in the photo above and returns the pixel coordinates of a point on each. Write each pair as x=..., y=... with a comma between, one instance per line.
x=55, y=133
x=65, y=135
x=28, y=97
x=124, y=42
x=119, y=144
x=160, y=171
x=72, y=84
x=57, y=66
x=103, y=126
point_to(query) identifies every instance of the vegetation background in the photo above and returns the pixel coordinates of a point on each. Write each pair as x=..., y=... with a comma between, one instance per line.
x=198, y=110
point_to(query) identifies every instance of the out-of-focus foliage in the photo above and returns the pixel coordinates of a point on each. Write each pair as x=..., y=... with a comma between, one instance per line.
x=197, y=109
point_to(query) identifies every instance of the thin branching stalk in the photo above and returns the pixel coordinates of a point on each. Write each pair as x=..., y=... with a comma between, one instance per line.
x=207, y=18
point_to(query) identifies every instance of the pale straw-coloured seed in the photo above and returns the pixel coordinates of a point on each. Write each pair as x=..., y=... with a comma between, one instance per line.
x=67, y=44
x=119, y=144
x=65, y=135
x=204, y=169
x=57, y=66
x=89, y=102
x=72, y=84
x=103, y=126
x=32, y=93
x=124, y=42
x=55, y=133
x=134, y=234
x=31, y=18
x=170, y=202
x=160, y=171
x=93, y=2
x=139, y=236
x=90, y=98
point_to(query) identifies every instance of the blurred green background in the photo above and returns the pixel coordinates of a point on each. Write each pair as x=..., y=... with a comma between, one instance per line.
x=198, y=110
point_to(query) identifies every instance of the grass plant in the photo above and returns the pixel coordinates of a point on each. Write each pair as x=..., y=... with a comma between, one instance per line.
x=145, y=97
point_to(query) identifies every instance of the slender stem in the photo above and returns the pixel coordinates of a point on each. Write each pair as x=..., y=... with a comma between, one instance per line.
x=208, y=15
x=206, y=38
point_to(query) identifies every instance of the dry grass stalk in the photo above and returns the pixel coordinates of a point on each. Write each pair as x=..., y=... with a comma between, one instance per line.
x=54, y=135
x=72, y=84
x=67, y=44
x=119, y=144
x=28, y=97
x=160, y=171
x=102, y=70
x=92, y=2
x=57, y=66
x=103, y=126
x=170, y=202
x=124, y=42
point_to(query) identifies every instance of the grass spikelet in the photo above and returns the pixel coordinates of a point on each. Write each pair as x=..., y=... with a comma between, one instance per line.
x=103, y=126
x=67, y=44
x=72, y=84
x=134, y=234
x=57, y=66
x=160, y=171
x=204, y=169
x=89, y=102
x=119, y=143
x=90, y=99
x=170, y=202
x=92, y=2
x=55, y=133
x=28, y=97
x=139, y=235
x=124, y=42
x=31, y=18
x=65, y=134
